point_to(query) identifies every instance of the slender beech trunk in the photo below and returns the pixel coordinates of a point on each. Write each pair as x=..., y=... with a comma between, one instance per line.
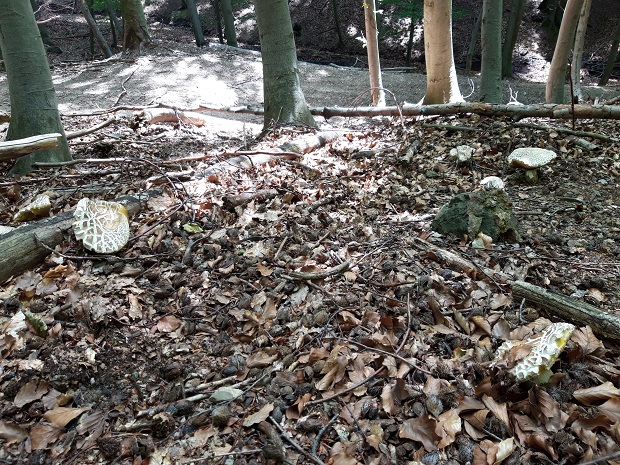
x=612, y=57
x=473, y=40
x=441, y=83
x=284, y=99
x=94, y=29
x=491, y=71
x=554, y=92
x=372, y=47
x=336, y=10
x=229, y=23
x=195, y=20
x=34, y=109
x=580, y=39
x=517, y=9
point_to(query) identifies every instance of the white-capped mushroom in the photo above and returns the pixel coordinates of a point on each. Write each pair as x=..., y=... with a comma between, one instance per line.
x=530, y=159
x=103, y=227
x=462, y=154
x=492, y=182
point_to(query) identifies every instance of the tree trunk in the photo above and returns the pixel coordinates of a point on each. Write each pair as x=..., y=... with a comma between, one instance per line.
x=512, y=32
x=473, y=40
x=135, y=30
x=34, y=109
x=114, y=24
x=284, y=99
x=94, y=29
x=611, y=58
x=441, y=83
x=566, y=37
x=491, y=71
x=229, y=23
x=337, y=22
x=195, y=20
x=372, y=48
x=580, y=39
x=218, y=20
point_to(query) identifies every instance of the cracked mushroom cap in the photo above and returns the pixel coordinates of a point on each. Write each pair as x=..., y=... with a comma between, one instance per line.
x=103, y=227
x=530, y=158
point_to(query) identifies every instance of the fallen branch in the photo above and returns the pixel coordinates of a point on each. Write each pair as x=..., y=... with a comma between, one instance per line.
x=602, y=323
x=171, y=115
x=16, y=148
x=83, y=132
x=517, y=112
x=344, y=266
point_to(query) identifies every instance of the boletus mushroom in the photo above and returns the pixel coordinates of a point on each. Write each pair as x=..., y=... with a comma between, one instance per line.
x=103, y=227
x=531, y=159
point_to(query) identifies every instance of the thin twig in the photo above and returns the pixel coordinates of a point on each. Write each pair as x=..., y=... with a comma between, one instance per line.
x=294, y=443
x=322, y=431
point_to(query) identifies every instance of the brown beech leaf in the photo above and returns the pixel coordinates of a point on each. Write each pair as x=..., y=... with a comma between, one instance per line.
x=593, y=395
x=262, y=358
x=585, y=338
x=259, y=416
x=43, y=434
x=611, y=408
x=168, y=324
x=11, y=432
x=421, y=429
x=31, y=391
x=60, y=416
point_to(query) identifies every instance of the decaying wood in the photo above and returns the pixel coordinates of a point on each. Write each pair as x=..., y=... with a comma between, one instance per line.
x=27, y=246
x=517, y=112
x=16, y=148
x=602, y=323
x=171, y=115
x=309, y=276
x=246, y=197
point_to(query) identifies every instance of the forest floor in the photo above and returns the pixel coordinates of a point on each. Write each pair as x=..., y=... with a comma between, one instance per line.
x=202, y=343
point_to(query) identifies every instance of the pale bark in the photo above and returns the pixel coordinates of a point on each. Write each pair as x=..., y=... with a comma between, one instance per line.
x=491, y=71
x=512, y=31
x=441, y=83
x=34, y=108
x=284, y=99
x=372, y=48
x=566, y=37
x=580, y=39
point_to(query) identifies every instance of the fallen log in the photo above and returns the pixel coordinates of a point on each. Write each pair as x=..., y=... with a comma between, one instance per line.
x=170, y=115
x=517, y=112
x=27, y=246
x=16, y=148
x=571, y=310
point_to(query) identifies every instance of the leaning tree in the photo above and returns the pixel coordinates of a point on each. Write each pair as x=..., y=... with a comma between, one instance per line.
x=34, y=108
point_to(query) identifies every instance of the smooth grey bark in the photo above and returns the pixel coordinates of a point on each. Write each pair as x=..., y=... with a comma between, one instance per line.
x=218, y=20
x=135, y=29
x=34, y=108
x=284, y=98
x=372, y=49
x=94, y=29
x=554, y=92
x=517, y=9
x=611, y=58
x=195, y=20
x=580, y=39
x=441, y=83
x=491, y=39
x=229, y=23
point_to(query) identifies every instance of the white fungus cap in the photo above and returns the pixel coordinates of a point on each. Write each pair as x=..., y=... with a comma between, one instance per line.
x=492, y=182
x=103, y=227
x=531, y=158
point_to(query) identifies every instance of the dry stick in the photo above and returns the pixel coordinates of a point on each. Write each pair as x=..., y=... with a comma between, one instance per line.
x=592, y=135
x=613, y=456
x=294, y=443
x=84, y=132
x=389, y=354
x=317, y=440
x=344, y=266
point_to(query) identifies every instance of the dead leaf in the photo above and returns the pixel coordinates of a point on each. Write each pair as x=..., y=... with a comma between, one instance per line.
x=31, y=391
x=60, y=416
x=11, y=432
x=259, y=416
x=593, y=395
x=421, y=429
